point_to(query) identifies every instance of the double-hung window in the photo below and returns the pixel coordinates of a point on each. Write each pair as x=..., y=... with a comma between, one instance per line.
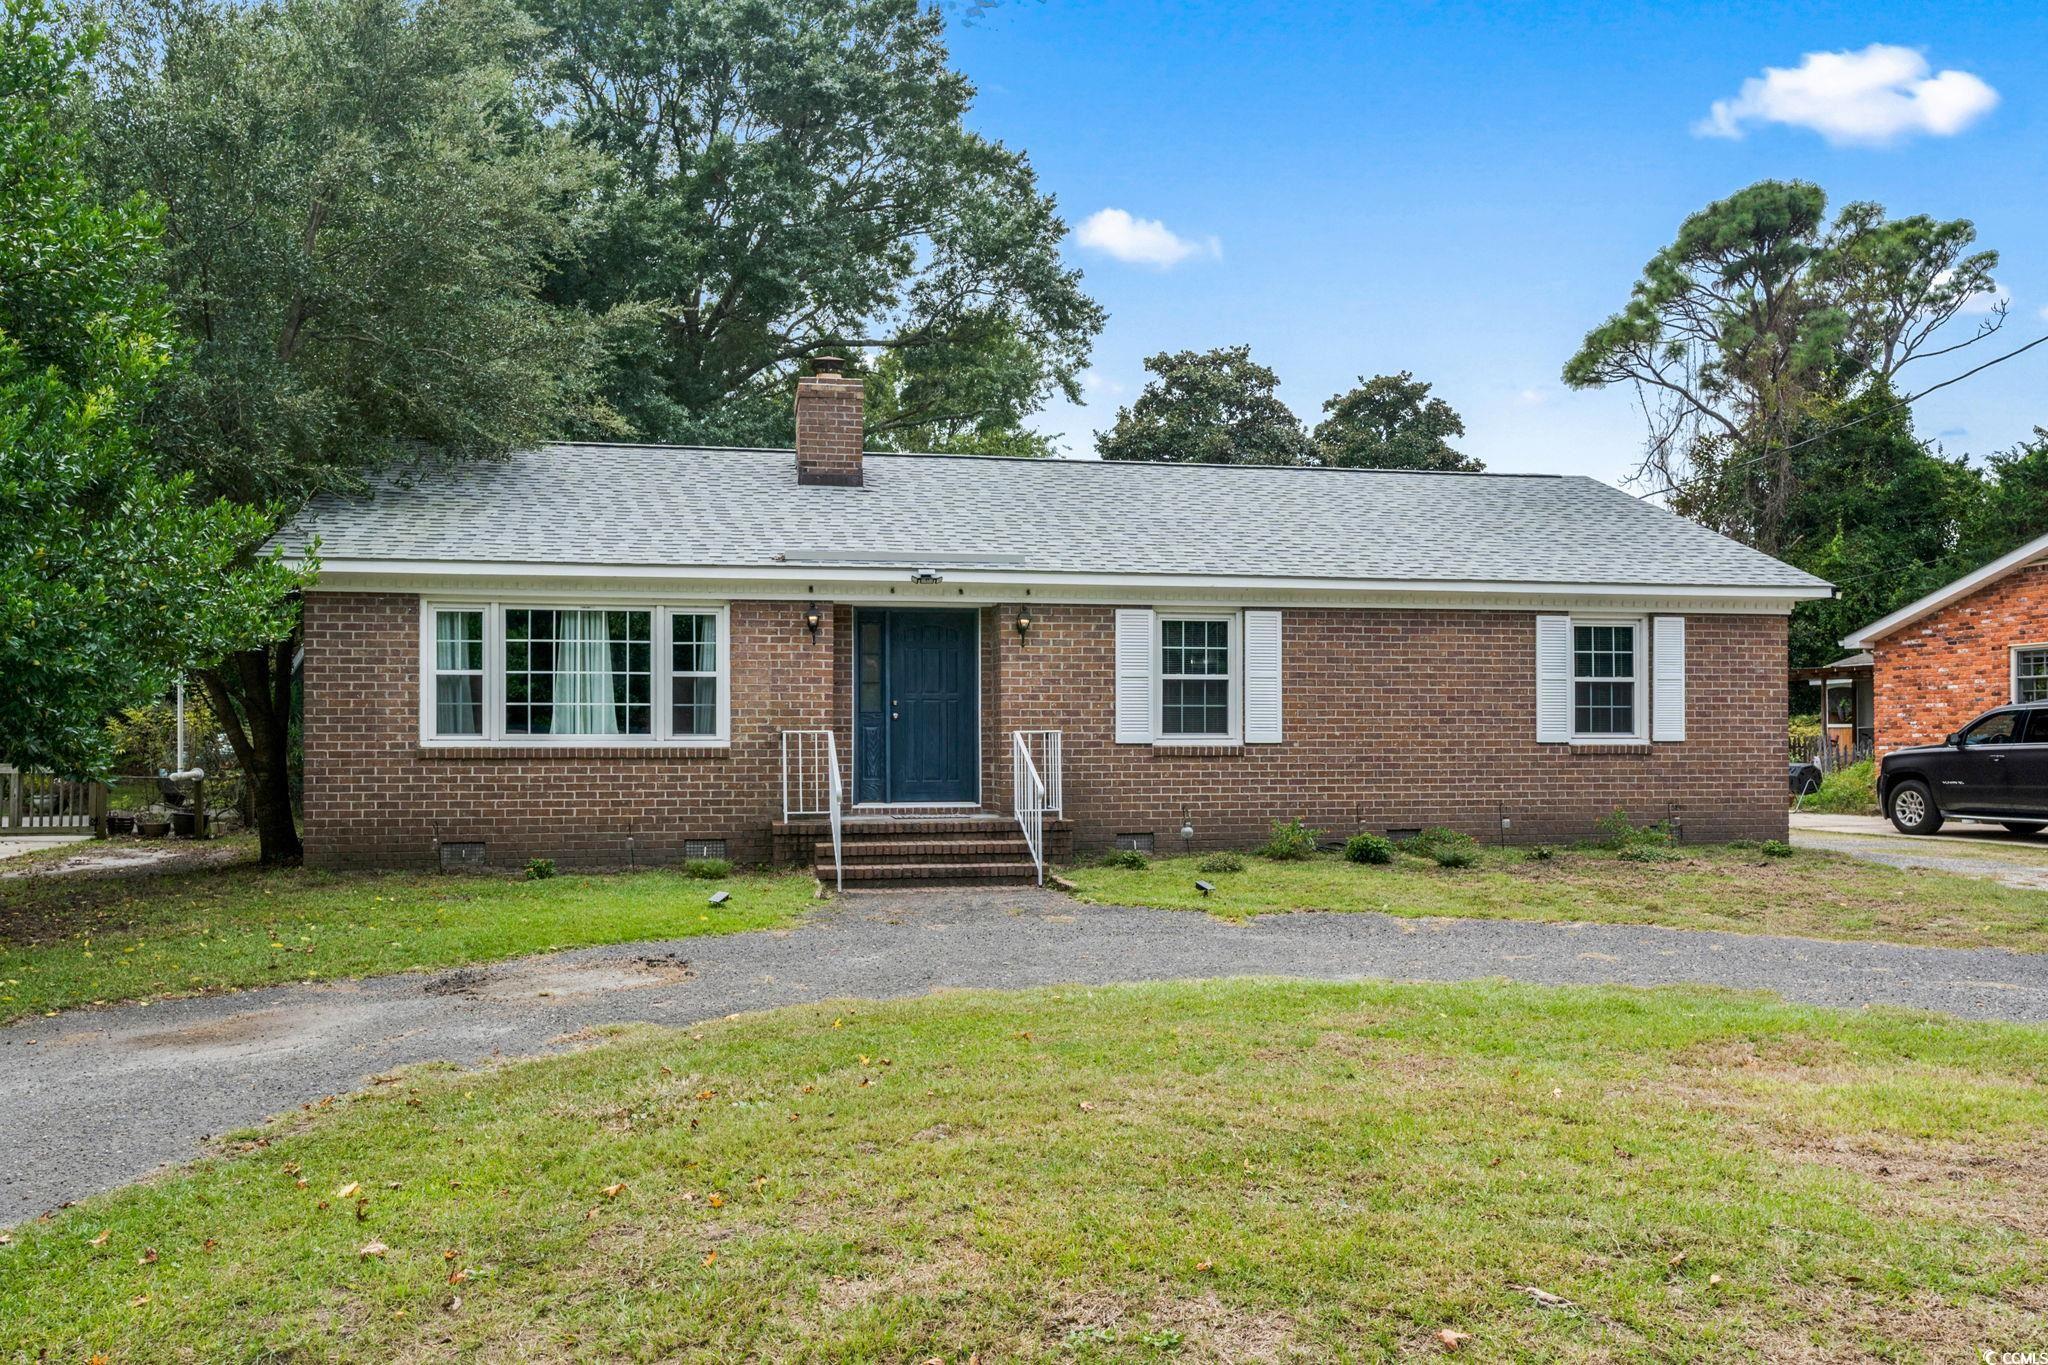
x=1198, y=678
x=458, y=693
x=519, y=673
x=1606, y=682
x=2030, y=673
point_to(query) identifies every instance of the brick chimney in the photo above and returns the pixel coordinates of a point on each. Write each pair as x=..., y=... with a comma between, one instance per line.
x=829, y=434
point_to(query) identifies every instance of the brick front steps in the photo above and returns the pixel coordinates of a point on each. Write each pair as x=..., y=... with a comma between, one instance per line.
x=914, y=850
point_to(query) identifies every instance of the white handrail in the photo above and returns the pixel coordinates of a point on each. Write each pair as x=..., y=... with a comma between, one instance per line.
x=1045, y=754
x=813, y=785
x=1027, y=793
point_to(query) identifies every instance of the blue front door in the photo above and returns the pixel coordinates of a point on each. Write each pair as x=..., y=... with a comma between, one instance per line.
x=917, y=721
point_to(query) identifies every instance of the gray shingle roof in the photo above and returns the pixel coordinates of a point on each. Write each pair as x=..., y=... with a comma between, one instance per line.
x=685, y=506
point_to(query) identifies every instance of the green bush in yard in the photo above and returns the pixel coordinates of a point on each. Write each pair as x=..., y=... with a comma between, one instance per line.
x=1129, y=859
x=1444, y=847
x=1846, y=791
x=1539, y=853
x=1221, y=862
x=1775, y=848
x=708, y=869
x=1619, y=836
x=539, y=869
x=1369, y=848
x=1291, y=841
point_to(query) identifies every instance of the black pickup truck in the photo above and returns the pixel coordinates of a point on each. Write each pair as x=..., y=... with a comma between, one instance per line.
x=1995, y=768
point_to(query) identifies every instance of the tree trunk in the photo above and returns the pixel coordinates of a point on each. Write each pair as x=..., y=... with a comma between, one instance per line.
x=251, y=692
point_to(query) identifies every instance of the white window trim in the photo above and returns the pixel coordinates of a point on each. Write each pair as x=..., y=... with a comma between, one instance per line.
x=2013, y=671
x=1641, y=733
x=661, y=690
x=1235, y=645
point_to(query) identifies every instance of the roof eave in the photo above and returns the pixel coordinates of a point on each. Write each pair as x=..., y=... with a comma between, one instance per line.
x=1943, y=596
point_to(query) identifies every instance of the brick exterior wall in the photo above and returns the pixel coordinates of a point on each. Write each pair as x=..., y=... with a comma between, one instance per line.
x=1394, y=718
x=1942, y=671
x=375, y=797
x=1402, y=719
x=829, y=434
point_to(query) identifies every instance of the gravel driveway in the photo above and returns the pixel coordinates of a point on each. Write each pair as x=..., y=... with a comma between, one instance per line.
x=95, y=1098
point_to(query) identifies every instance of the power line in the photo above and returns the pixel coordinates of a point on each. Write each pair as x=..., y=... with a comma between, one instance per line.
x=1907, y=401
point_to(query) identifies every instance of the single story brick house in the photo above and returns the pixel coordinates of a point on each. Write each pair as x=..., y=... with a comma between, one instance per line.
x=1979, y=642
x=923, y=665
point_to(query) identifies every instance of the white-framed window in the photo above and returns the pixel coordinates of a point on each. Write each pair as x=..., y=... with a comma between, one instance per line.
x=457, y=672
x=1199, y=676
x=2030, y=673
x=1607, y=679
x=532, y=673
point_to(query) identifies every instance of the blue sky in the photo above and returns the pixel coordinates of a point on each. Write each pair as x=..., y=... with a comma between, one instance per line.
x=1462, y=190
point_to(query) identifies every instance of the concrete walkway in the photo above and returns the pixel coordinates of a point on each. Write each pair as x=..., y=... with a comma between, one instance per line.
x=1988, y=851
x=14, y=845
x=95, y=1098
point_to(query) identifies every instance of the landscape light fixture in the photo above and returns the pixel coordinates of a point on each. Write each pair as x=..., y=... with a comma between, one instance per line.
x=720, y=897
x=1205, y=887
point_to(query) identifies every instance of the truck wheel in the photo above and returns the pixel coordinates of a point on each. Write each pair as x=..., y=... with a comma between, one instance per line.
x=1912, y=809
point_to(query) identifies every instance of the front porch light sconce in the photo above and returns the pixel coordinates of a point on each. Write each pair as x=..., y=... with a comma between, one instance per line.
x=1023, y=622
x=813, y=619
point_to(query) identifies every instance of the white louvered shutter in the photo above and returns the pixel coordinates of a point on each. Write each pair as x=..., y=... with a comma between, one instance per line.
x=1553, y=679
x=1134, y=676
x=1667, y=678
x=1262, y=677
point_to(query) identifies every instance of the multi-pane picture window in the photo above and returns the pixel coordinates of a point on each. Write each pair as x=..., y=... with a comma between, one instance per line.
x=2030, y=674
x=458, y=673
x=578, y=672
x=693, y=664
x=1603, y=679
x=1194, y=677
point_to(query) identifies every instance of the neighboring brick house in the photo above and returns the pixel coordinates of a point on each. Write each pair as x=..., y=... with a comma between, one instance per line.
x=621, y=654
x=1978, y=643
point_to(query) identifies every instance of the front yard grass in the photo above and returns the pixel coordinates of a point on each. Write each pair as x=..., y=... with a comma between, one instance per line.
x=1809, y=894
x=85, y=939
x=1221, y=1170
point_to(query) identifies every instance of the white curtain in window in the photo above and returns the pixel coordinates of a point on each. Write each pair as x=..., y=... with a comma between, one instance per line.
x=458, y=659
x=583, y=675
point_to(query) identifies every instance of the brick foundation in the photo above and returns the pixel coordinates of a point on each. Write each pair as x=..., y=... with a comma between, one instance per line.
x=1942, y=671
x=1394, y=718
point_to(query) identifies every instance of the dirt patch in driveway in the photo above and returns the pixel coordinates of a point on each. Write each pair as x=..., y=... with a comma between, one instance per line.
x=543, y=981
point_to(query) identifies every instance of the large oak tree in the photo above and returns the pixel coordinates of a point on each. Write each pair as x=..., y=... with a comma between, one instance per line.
x=785, y=178
x=112, y=577
x=360, y=200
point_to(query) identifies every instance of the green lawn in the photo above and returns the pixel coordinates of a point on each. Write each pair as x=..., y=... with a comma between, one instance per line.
x=75, y=940
x=1241, y=1170
x=1810, y=894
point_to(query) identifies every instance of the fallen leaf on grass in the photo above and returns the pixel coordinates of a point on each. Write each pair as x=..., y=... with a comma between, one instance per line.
x=1713, y=1279
x=148, y=1256
x=348, y=1191
x=138, y=1301
x=710, y=1257
x=371, y=1248
x=101, y=1240
x=1543, y=1297
x=1205, y=1265
x=613, y=1190
x=457, y=1276
x=1451, y=1338
x=716, y=1201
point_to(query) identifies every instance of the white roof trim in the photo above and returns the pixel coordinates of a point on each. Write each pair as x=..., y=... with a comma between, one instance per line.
x=1941, y=597
x=364, y=573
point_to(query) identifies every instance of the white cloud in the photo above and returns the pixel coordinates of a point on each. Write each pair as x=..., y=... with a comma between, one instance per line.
x=1984, y=301
x=1868, y=98
x=1140, y=241
x=1532, y=397
x=1096, y=382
